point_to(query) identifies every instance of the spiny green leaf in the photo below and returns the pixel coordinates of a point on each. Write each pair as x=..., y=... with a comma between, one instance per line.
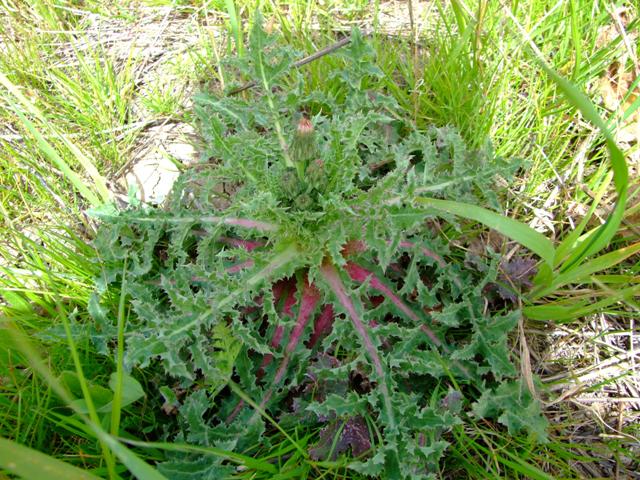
x=514, y=407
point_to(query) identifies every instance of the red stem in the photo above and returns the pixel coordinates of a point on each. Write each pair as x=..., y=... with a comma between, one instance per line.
x=358, y=246
x=240, y=266
x=332, y=277
x=248, y=245
x=361, y=274
x=308, y=303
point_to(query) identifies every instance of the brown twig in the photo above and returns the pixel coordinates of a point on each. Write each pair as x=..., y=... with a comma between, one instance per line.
x=300, y=63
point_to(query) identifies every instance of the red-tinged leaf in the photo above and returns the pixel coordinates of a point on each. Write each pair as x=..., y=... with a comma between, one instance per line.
x=358, y=246
x=426, y=252
x=277, y=336
x=235, y=412
x=277, y=289
x=275, y=341
x=361, y=274
x=246, y=223
x=353, y=434
x=285, y=288
x=310, y=298
x=248, y=245
x=290, y=300
x=332, y=277
x=308, y=303
x=322, y=325
x=353, y=247
x=240, y=266
x=376, y=300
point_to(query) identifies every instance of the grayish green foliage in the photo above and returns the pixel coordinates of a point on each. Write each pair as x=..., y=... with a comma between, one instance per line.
x=211, y=296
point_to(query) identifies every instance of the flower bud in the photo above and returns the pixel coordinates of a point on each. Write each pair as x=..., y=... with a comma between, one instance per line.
x=305, y=127
x=303, y=145
x=304, y=201
x=290, y=183
x=315, y=174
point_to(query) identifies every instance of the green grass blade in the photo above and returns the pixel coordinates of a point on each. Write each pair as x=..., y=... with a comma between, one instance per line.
x=84, y=385
x=98, y=180
x=238, y=458
x=521, y=233
x=567, y=313
x=51, y=153
x=460, y=14
x=30, y=464
x=129, y=459
x=633, y=106
x=236, y=27
x=117, y=394
x=526, y=469
x=575, y=237
x=239, y=392
x=576, y=38
x=141, y=469
x=600, y=238
x=620, y=173
x=582, y=272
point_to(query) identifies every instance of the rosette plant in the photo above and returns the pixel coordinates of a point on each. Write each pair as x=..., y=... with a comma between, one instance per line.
x=295, y=280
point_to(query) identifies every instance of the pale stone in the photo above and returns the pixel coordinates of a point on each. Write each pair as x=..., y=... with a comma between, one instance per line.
x=155, y=168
